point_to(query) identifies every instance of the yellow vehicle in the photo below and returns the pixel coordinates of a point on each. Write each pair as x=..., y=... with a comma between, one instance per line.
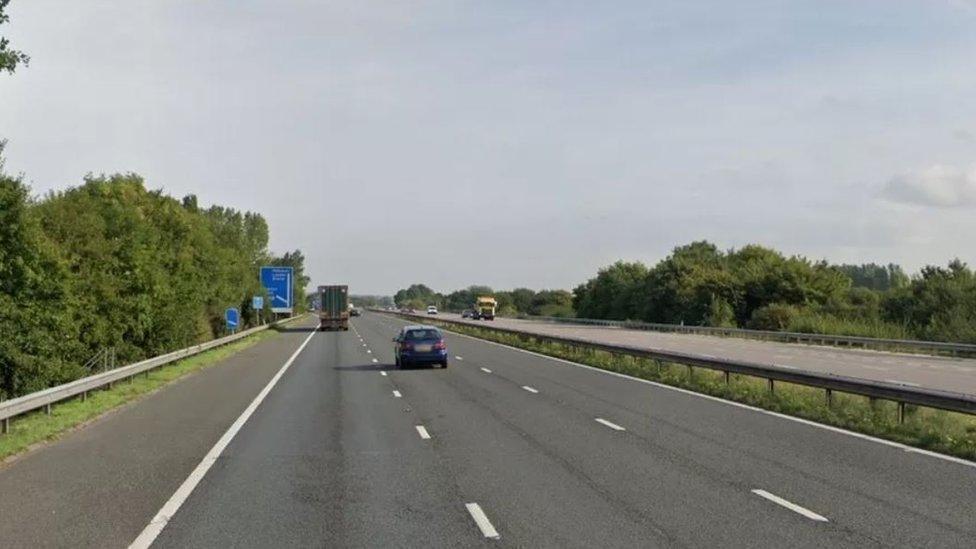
x=485, y=307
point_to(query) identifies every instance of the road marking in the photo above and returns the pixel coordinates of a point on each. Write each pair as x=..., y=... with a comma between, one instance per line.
x=899, y=382
x=482, y=521
x=831, y=428
x=369, y=352
x=397, y=394
x=458, y=358
x=423, y=432
x=383, y=374
x=486, y=370
x=170, y=508
x=789, y=505
x=530, y=389
x=613, y=426
x=375, y=361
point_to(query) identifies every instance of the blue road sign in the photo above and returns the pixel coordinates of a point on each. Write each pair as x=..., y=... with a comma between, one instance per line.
x=233, y=318
x=277, y=281
x=257, y=302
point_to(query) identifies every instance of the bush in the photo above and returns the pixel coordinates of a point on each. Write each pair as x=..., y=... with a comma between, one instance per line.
x=774, y=317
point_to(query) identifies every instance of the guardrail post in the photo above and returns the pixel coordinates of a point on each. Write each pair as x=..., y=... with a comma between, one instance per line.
x=691, y=373
x=771, y=386
x=727, y=377
x=901, y=413
x=830, y=398
x=5, y=426
x=47, y=409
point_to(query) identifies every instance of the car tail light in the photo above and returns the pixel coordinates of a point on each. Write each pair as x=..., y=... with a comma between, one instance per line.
x=440, y=345
x=407, y=346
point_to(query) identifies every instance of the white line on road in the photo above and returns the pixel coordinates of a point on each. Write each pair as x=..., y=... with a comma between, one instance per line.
x=482, y=521
x=807, y=422
x=423, y=432
x=486, y=370
x=458, y=358
x=397, y=394
x=613, y=426
x=899, y=382
x=789, y=505
x=369, y=352
x=530, y=389
x=170, y=508
x=375, y=361
x=383, y=374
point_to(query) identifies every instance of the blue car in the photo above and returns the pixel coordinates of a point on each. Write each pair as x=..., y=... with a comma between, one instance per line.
x=417, y=345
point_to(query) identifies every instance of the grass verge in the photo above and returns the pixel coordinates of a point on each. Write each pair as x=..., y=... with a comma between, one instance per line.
x=35, y=427
x=949, y=433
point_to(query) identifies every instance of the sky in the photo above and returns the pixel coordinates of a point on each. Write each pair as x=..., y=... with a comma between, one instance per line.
x=514, y=143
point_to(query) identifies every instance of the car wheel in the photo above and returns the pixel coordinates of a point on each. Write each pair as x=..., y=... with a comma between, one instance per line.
x=444, y=364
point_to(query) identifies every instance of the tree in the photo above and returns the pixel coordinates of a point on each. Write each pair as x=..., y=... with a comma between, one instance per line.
x=37, y=336
x=9, y=58
x=295, y=260
x=876, y=277
x=613, y=294
x=417, y=296
x=552, y=303
x=521, y=299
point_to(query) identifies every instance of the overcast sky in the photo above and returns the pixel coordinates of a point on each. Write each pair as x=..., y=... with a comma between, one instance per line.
x=516, y=143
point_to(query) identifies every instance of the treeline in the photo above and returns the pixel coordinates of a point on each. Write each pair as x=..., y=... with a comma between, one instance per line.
x=752, y=287
x=371, y=300
x=110, y=264
x=756, y=287
x=520, y=301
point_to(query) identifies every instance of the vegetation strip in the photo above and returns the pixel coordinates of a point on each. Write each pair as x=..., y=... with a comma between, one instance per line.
x=37, y=427
x=936, y=430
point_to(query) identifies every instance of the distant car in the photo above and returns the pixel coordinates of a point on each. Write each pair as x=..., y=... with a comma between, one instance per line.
x=431, y=310
x=419, y=345
x=355, y=312
x=466, y=313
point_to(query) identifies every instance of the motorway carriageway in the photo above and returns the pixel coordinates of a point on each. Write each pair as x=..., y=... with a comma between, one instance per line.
x=957, y=375
x=332, y=446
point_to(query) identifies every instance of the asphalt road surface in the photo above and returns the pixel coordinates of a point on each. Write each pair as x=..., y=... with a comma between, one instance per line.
x=913, y=370
x=502, y=448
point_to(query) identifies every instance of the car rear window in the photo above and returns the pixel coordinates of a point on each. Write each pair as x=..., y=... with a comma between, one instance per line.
x=415, y=335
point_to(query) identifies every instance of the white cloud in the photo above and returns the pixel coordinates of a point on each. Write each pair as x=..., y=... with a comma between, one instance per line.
x=938, y=186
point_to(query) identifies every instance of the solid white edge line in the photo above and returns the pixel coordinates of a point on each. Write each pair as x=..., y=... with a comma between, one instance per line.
x=397, y=394
x=892, y=444
x=423, y=432
x=609, y=424
x=790, y=505
x=170, y=508
x=482, y=521
x=486, y=370
x=899, y=382
x=530, y=389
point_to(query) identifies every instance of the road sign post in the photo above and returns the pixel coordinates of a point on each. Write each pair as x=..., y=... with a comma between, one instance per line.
x=278, y=283
x=233, y=318
x=257, y=303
